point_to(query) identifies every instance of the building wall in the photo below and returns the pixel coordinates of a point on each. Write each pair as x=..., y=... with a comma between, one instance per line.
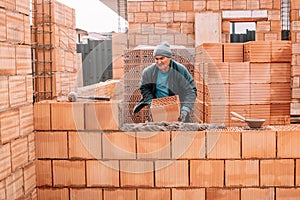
x=17, y=141
x=79, y=157
x=153, y=21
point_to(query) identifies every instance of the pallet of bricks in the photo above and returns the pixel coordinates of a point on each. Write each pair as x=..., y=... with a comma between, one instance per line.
x=54, y=42
x=135, y=61
x=17, y=146
x=252, y=79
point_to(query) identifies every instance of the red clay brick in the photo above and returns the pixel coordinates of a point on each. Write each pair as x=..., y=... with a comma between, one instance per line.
x=17, y=90
x=19, y=153
x=297, y=175
x=172, y=5
x=10, y=125
x=213, y=5
x=67, y=116
x=241, y=173
x=199, y=5
x=29, y=178
x=5, y=161
x=259, y=144
x=171, y=173
x=95, y=118
x=188, y=145
x=23, y=59
x=90, y=193
x=140, y=17
x=180, y=17
x=207, y=173
x=146, y=7
x=186, y=5
x=277, y=172
x=124, y=194
x=153, y=145
x=119, y=145
x=137, y=173
x=154, y=17
x=31, y=147
x=42, y=116
x=53, y=193
x=288, y=144
x=190, y=194
x=26, y=119
x=160, y=6
x=222, y=194
x=145, y=194
x=2, y=190
x=85, y=145
x=7, y=58
x=43, y=173
x=14, y=185
x=68, y=173
x=51, y=144
x=4, y=103
x=222, y=145
x=133, y=7
x=287, y=193
x=102, y=173
x=257, y=193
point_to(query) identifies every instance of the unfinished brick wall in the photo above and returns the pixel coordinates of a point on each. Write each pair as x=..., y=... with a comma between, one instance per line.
x=76, y=161
x=54, y=44
x=251, y=78
x=17, y=145
x=174, y=21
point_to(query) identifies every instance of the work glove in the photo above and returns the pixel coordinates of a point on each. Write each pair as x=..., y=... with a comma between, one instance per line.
x=182, y=116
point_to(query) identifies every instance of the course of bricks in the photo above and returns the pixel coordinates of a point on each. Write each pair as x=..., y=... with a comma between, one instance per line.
x=76, y=160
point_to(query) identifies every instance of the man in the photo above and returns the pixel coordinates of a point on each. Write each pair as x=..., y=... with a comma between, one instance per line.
x=166, y=77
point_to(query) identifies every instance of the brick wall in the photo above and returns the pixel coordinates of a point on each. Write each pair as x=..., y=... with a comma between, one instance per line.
x=17, y=142
x=153, y=21
x=231, y=163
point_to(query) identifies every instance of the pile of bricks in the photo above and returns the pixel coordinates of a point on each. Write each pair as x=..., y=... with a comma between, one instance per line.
x=255, y=83
x=17, y=145
x=54, y=42
x=78, y=160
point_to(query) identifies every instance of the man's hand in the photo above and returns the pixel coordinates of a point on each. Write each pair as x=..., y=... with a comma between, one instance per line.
x=182, y=116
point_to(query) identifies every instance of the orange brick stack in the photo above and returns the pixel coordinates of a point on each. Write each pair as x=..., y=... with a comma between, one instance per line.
x=77, y=161
x=256, y=84
x=17, y=145
x=54, y=39
x=295, y=38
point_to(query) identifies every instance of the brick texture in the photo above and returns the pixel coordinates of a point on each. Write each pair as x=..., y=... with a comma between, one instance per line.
x=277, y=172
x=102, y=173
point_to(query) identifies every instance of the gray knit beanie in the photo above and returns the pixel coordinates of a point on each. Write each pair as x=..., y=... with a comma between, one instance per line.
x=163, y=49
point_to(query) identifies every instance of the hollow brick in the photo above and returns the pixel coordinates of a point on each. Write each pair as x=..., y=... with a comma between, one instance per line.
x=102, y=173
x=207, y=173
x=277, y=172
x=171, y=173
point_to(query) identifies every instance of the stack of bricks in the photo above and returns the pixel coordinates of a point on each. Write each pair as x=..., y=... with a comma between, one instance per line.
x=76, y=160
x=295, y=38
x=135, y=60
x=17, y=145
x=255, y=83
x=54, y=41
